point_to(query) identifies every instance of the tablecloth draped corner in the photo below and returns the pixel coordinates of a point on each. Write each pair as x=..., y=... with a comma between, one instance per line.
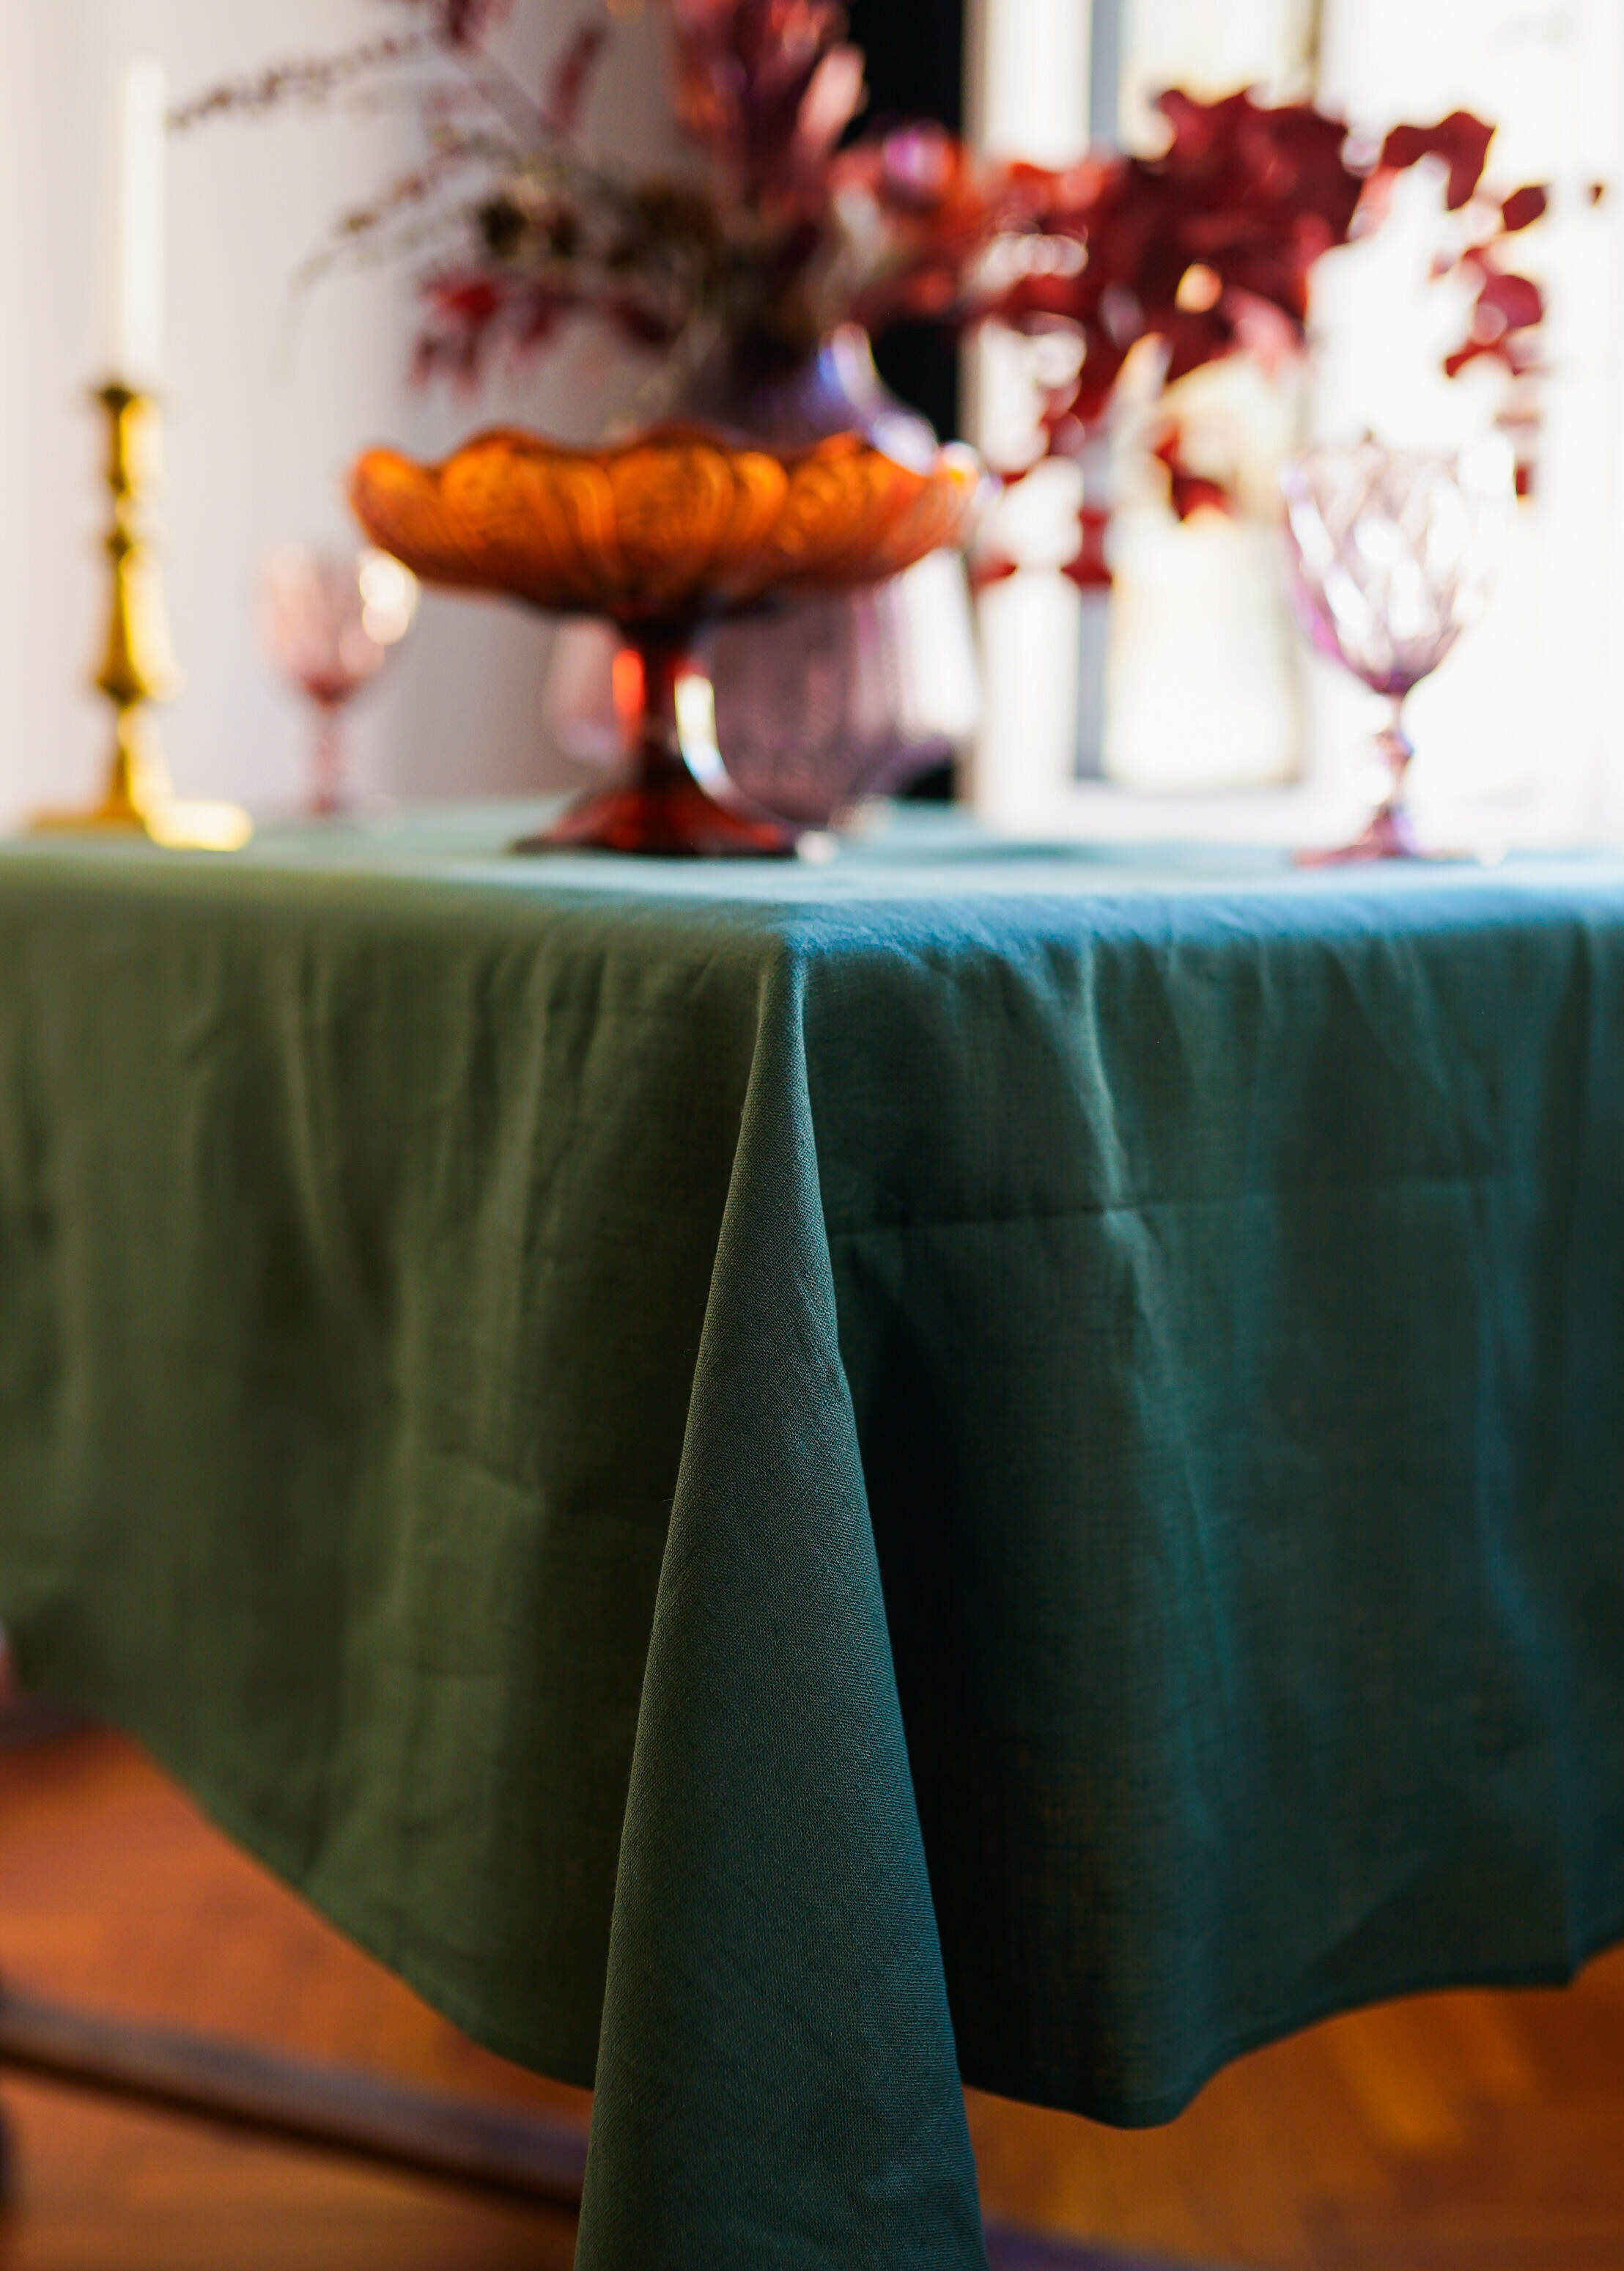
x=817, y=2032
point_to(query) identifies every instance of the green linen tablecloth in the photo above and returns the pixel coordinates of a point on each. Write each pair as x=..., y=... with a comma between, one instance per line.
x=782, y=1483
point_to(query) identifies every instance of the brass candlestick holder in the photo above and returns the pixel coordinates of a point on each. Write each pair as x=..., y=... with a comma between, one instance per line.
x=137, y=667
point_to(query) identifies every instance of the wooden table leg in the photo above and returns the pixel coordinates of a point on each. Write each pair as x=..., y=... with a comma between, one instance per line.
x=27, y=1719
x=420, y=2132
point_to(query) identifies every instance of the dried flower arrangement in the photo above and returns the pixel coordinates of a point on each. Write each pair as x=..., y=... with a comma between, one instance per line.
x=792, y=220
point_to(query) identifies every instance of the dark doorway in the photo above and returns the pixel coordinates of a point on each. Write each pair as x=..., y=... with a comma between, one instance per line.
x=916, y=70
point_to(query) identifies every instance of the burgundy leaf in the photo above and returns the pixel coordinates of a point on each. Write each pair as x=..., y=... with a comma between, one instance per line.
x=1189, y=492
x=1523, y=208
x=1089, y=568
x=1472, y=352
x=1517, y=299
x=1461, y=140
x=1193, y=493
x=571, y=78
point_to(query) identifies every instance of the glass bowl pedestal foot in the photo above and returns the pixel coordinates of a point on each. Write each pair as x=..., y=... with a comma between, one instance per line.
x=674, y=800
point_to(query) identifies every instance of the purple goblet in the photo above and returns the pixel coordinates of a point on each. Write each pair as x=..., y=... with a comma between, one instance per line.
x=329, y=621
x=1393, y=555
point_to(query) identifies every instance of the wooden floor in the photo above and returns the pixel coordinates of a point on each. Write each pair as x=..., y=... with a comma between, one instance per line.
x=1465, y=2133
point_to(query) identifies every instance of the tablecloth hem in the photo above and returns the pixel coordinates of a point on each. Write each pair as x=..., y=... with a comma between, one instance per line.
x=420, y=1976
x=1109, y=2111
x=1155, y=2112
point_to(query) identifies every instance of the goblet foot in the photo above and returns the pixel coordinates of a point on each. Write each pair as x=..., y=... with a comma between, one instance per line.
x=1389, y=835
x=671, y=817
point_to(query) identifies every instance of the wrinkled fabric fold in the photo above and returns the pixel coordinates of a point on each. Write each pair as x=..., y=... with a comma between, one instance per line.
x=771, y=1818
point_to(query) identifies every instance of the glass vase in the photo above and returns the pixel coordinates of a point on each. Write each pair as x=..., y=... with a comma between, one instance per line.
x=819, y=705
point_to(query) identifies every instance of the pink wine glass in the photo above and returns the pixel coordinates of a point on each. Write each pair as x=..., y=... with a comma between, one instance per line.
x=330, y=620
x=1393, y=553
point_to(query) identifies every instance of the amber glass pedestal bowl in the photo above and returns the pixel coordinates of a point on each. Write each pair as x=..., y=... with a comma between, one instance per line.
x=664, y=535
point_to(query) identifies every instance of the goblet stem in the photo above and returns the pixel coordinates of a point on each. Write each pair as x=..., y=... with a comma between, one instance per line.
x=1391, y=825
x=328, y=759
x=1389, y=833
x=674, y=800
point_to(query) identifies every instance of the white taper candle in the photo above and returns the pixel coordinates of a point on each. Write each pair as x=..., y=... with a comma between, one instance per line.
x=139, y=245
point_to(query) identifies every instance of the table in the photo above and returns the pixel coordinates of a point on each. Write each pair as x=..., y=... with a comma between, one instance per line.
x=780, y=1484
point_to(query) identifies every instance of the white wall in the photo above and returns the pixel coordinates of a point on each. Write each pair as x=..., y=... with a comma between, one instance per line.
x=269, y=401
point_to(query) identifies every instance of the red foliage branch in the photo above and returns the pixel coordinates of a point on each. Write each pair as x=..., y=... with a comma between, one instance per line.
x=1205, y=249
x=767, y=87
x=460, y=23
